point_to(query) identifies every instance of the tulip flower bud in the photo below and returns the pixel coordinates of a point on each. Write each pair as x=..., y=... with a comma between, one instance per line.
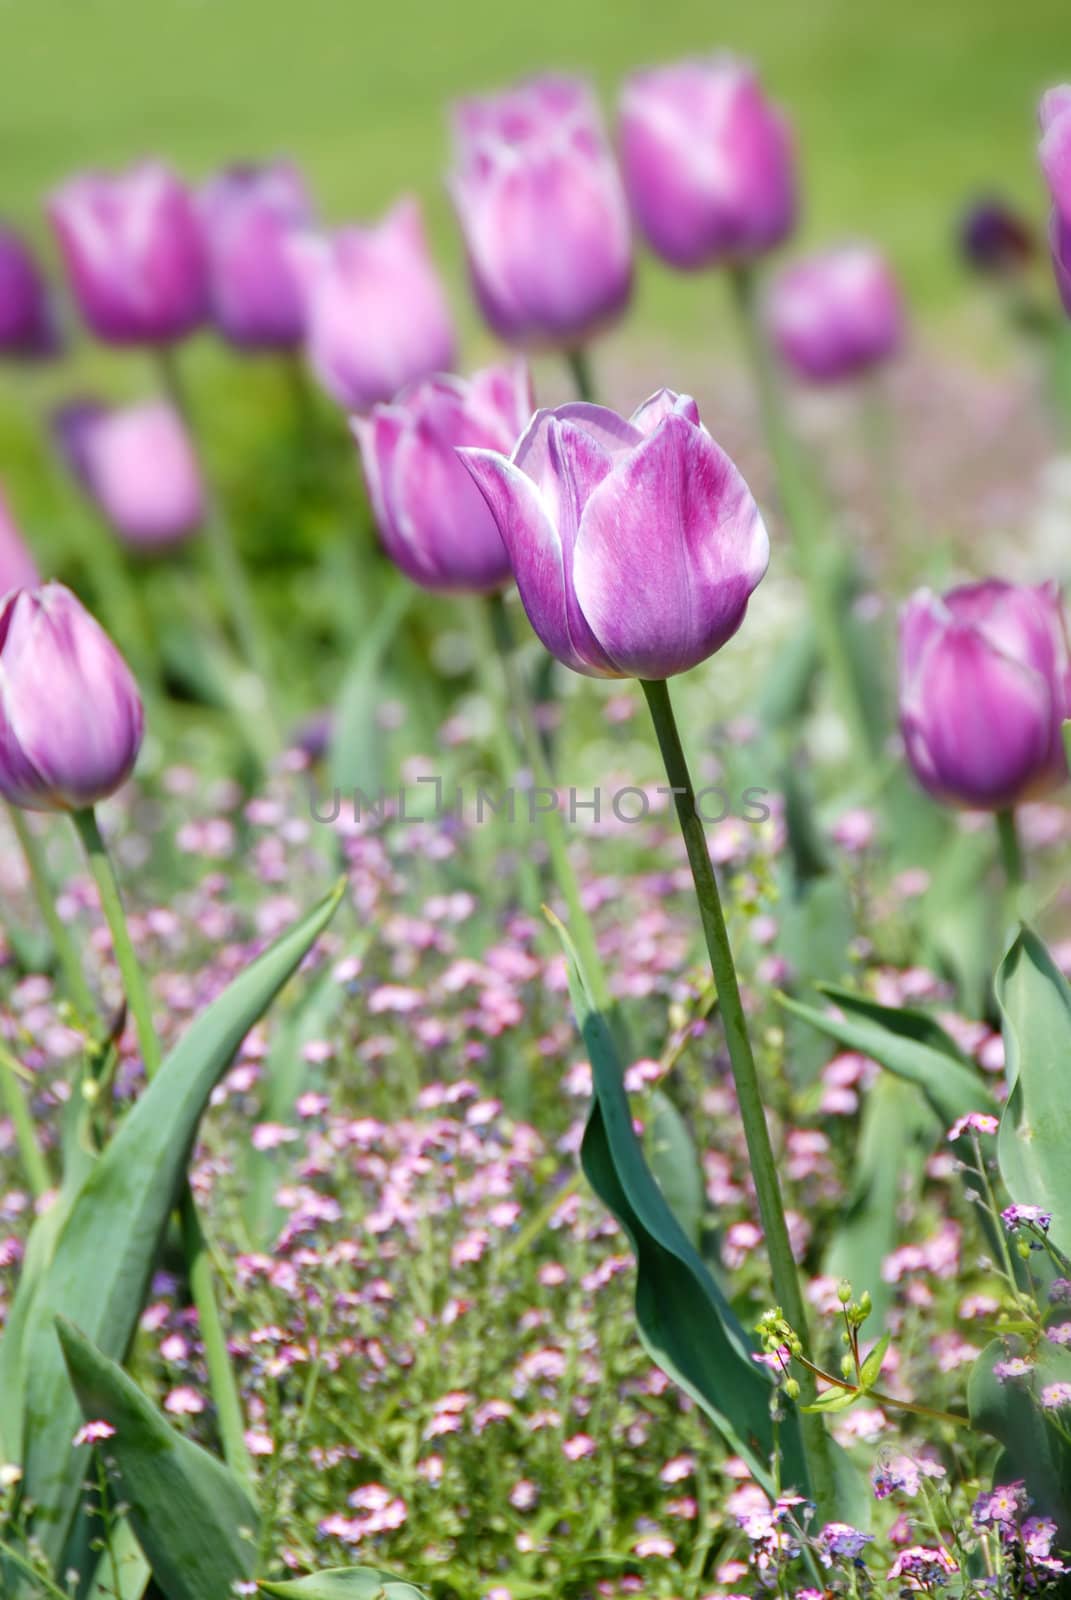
x=836, y=315
x=71, y=718
x=1054, y=151
x=249, y=215
x=27, y=324
x=543, y=213
x=17, y=567
x=375, y=308
x=635, y=545
x=138, y=465
x=134, y=254
x=995, y=240
x=709, y=163
x=985, y=683
x=434, y=523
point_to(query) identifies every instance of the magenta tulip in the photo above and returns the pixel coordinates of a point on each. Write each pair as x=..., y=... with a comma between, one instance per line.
x=71, y=718
x=28, y=328
x=1060, y=244
x=134, y=254
x=837, y=314
x=635, y=545
x=1054, y=151
x=985, y=683
x=376, y=308
x=138, y=465
x=542, y=211
x=434, y=523
x=709, y=163
x=249, y=215
x=17, y=567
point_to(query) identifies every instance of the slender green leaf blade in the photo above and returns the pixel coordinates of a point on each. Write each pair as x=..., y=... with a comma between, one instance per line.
x=1034, y=1144
x=104, y=1253
x=683, y=1319
x=672, y=1154
x=870, y=1371
x=192, y=1515
x=344, y=1583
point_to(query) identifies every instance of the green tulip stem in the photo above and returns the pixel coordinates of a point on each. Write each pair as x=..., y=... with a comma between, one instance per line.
x=1011, y=851
x=748, y=1093
x=231, y=576
x=221, y=1378
x=34, y=1162
x=579, y=363
x=804, y=516
x=554, y=834
x=66, y=952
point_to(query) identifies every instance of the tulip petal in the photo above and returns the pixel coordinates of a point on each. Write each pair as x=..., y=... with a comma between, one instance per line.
x=1054, y=151
x=670, y=548
x=665, y=403
x=979, y=731
x=535, y=551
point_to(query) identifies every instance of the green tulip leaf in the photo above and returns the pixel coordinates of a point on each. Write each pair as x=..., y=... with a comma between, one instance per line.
x=192, y=1516
x=684, y=1321
x=344, y=1583
x=103, y=1253
x=1034, y=1144
x=908, y=1044
x=673, y=1159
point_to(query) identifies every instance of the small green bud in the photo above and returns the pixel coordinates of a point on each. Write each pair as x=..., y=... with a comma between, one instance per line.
x=866, y=1304
x=847, y=1366
x=792, y=1388
x=1023, y=1248
x=844, y=1291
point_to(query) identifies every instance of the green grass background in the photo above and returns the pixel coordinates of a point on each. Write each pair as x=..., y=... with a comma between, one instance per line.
x=902, y=109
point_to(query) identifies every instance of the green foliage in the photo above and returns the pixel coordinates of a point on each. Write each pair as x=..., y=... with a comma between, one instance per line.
x=1034, y=1144
x=193, y=1517
x=344, y=1583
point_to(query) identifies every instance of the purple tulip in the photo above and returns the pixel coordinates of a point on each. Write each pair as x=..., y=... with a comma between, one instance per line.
x=837, y=314
x=134, y=254
x=434, y=523
x=376, y=308
x=1054, y=114
x=543, y=213
x=985, y=683
x=138, y=465
x=709, y=163
x=28, y=327
x=1060, y=244
x=249, y=215
x=17, y=567
x=995, y=239
x=71, y=718
x=636, y=545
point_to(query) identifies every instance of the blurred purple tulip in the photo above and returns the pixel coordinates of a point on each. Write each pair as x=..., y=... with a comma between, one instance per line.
x=995, y=239
x=1054, y=114
x=1060, y=244
x=376, y=309
x=28, y=328
x=18, y=569
x=134, y=254
x=837, y=314
x=249, y=215
x=434, y=522
x=709, y=163
x=636, y=545
x=985, y=683
x=542, y=211
x=138, y=465
x=71, y=718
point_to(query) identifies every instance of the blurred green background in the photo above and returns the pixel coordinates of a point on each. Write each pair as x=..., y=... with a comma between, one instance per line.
x=903, y=110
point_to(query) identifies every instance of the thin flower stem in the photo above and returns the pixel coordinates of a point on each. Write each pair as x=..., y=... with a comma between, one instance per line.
x=230, y=572
x=553, y=828
x=1011, y=853
x=32, y=1156
x=66, y=953
x=579, y=363
x=221, y=1378
x=748, y=1093
x=882, y=1399
x=45, y=1584
x=805, y=518
x=134, y=986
